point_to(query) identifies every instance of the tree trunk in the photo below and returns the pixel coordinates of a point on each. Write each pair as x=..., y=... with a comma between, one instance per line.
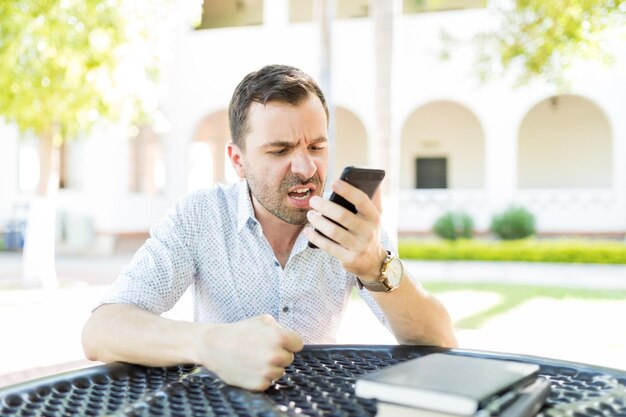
x=38, y=258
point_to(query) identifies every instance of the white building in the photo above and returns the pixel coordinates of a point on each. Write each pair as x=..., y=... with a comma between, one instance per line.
x=461, y=145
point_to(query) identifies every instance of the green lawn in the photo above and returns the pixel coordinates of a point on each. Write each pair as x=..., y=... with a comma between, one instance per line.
x=512, y=296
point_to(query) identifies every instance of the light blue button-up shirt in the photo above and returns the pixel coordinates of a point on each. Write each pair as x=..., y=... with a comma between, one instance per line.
x=212, y=241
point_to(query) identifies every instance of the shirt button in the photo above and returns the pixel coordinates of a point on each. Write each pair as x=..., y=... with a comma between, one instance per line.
x=276, y=263
x=285, y=309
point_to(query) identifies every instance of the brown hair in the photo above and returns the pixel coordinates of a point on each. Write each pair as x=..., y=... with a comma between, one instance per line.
x=281, y=83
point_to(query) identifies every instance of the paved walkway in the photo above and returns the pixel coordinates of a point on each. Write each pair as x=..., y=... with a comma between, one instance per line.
x=41, y=328
x=541, y=274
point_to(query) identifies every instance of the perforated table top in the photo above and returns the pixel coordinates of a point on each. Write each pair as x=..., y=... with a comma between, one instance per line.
x=320, y=382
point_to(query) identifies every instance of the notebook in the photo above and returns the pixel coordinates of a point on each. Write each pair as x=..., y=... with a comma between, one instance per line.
x=444, y=382
x=525, y=401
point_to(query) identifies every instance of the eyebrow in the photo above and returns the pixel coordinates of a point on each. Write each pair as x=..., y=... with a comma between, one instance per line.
x=285, y=143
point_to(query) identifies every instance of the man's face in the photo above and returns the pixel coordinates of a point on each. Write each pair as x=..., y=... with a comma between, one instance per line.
x=285, y=157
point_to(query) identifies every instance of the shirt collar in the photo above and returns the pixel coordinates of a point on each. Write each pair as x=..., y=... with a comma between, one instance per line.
x=245, y=211
x=245, y=215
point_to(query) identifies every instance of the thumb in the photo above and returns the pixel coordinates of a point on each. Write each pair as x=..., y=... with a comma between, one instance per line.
x=377, y=199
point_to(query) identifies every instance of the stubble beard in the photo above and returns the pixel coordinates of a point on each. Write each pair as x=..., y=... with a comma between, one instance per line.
x=273, y=200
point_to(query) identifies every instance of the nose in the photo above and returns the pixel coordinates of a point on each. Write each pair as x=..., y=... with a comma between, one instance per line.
x=303, y=165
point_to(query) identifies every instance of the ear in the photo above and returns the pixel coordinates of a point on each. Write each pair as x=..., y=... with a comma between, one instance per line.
x=236, y=158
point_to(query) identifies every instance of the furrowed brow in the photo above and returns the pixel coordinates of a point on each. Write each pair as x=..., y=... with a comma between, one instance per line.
x=278, y=144
x=321, y=139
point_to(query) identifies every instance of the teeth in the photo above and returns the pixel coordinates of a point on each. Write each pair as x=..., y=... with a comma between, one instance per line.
x=300, y=194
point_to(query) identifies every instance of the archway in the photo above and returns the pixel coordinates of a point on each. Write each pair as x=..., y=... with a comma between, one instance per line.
x=442, y=147
x=351, y=141
x=565, y=142
x=207, y=151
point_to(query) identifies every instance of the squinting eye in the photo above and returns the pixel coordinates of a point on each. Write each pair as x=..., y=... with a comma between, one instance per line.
x=279, y=152
x=318, y=148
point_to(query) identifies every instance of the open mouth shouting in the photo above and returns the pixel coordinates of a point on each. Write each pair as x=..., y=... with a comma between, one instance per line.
x=300, y=195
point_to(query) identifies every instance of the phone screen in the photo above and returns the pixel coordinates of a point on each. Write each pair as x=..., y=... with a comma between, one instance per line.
x=365, y=179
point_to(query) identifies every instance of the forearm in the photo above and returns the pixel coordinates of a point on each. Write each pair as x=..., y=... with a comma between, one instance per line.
x=122, y=332
x=250, y=353
x=415, y=316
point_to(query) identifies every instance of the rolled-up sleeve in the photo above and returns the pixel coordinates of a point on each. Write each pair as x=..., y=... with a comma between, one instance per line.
x=161, y=270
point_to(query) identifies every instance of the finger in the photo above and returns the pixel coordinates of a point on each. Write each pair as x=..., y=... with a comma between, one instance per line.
x=284, y=358
x=325, y=244
x=267, y=379
x=292, y=342
x=274, y=373
x=333, y=211
x=377, y=199
x=317, y=239
x=331, y=229
x=267, y=319
x=364, y=205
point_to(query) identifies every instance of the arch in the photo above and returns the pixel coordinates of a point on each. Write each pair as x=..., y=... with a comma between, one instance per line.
x=351, y=142
x=213, y=130
x=448, y=130
x=565, y=141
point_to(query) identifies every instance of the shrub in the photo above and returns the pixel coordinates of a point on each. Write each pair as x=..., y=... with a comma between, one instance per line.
x=513, y=223
x=454, y=225
x=524, y=250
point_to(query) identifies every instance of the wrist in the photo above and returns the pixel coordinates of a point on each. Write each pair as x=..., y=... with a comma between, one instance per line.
x=202, y=344
x=389, y=277
x=374, y=275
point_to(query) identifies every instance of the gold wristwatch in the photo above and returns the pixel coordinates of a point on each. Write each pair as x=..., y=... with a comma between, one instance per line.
x=391, y=273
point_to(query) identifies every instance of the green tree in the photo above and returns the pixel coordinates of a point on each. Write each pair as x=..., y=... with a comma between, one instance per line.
x=543, y=38
x=68, y=64
x=57, y=62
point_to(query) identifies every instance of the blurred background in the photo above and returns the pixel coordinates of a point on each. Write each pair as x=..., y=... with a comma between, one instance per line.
x=497, y=122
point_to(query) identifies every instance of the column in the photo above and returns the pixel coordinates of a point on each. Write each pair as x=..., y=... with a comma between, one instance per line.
x=500, y=160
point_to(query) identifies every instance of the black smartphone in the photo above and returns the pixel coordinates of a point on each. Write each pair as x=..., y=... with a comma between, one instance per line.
x=365, y=179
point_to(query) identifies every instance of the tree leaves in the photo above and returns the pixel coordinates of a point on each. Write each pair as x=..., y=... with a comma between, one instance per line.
x=62, y=61
x=543, y=38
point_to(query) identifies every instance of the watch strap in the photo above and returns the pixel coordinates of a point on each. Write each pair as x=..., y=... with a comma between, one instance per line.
x=378, y=286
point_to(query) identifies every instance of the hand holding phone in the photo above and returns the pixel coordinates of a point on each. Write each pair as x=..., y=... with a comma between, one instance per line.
x=365, y=179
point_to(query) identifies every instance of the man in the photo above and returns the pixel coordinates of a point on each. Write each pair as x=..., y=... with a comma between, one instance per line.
x=259, y=291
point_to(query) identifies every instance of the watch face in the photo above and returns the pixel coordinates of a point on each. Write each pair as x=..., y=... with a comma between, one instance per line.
x=394, y=272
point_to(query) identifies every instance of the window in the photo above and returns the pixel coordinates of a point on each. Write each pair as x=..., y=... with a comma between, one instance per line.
x=300, y=11
x=347, y=9
x=306, y=10
x=431, y=172
x=231, y=13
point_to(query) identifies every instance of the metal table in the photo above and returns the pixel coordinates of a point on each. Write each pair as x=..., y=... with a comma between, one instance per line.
x=320, y=382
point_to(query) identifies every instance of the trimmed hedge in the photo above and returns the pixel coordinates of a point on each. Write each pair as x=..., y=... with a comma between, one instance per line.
x=525, y=250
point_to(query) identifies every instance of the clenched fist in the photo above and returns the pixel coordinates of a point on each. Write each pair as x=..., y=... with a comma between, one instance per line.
x=251, y=353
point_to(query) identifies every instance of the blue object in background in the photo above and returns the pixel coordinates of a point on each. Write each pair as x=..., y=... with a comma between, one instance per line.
x=14, y=235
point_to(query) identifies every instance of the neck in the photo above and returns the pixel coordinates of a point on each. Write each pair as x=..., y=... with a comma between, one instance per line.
x=280, y=234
